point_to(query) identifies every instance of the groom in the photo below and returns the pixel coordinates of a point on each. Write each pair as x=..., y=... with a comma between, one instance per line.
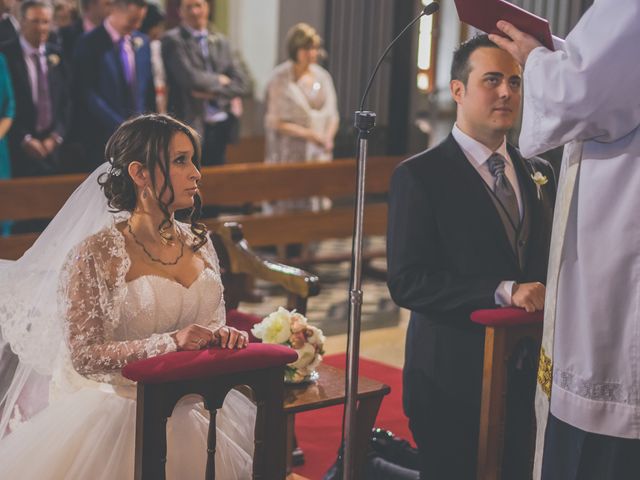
x=468, y=229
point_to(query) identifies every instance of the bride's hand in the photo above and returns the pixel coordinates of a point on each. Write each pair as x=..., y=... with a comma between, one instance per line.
x=229, y=337
x=193, y=337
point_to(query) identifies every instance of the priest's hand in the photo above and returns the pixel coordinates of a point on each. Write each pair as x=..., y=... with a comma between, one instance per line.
x=529, y=296
x=519, y=44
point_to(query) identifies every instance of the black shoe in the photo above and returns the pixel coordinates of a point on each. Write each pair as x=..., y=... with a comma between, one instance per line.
x=394, y=449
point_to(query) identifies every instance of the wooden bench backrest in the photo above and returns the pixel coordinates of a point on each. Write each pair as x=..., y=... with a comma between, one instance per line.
x=42, y=197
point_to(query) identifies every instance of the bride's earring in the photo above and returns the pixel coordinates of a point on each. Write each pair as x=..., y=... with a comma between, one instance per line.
x=145, y=192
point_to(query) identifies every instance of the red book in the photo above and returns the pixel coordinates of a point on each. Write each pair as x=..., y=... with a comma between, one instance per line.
x=484, y=14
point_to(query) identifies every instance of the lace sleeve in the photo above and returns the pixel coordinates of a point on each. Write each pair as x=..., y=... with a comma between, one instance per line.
x=90, y=305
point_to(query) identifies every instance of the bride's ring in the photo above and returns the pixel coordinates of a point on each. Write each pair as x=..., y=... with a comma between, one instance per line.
x=202, y=342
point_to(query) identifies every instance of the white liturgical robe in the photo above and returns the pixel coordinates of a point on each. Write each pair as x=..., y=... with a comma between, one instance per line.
x=587, y=94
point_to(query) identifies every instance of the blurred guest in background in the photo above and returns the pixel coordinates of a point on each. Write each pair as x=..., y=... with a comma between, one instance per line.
x=39, y=80
x=302, y=113
x=113, y=81
x=153, y=26
x=9, y=25
x=7, y=112
x=206, y=80
x=64, y=14
x=93, y=14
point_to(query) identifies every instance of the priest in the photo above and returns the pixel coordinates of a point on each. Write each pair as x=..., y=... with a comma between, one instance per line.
x=586, y=95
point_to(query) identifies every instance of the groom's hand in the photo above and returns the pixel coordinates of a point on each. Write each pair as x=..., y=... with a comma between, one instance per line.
x=529, y=296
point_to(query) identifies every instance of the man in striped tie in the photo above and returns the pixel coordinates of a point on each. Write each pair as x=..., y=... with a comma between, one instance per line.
x=469, y=228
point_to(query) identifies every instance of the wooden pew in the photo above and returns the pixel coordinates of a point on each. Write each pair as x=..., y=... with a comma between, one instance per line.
x=247, y=150
x=237, y=184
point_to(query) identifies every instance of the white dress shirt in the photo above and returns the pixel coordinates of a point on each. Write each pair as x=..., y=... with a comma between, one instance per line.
x=212, y=114
x=478, y=154
x=128, y=48
x=28, y=51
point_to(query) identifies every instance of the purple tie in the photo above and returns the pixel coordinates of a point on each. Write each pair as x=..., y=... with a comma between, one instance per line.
x=43, y=107
x=124, y=58
x=129, y=75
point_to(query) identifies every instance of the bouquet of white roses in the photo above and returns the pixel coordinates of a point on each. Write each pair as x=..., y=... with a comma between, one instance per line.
x=292, y=329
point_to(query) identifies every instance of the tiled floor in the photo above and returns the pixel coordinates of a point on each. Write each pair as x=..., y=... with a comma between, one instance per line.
x=384, y=345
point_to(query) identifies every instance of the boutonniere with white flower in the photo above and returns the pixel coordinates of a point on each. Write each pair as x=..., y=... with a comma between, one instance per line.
x=292, y=329
x=53, y=59
x=138, y=42
x=539, y=179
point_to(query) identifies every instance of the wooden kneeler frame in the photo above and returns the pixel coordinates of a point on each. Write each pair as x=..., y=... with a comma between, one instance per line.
x=505, y=328
x=155, y=404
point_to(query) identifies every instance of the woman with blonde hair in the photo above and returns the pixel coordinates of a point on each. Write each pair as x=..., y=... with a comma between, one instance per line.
x=302, y=114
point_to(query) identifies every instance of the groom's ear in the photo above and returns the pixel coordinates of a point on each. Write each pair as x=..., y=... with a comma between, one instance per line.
x=139, y=174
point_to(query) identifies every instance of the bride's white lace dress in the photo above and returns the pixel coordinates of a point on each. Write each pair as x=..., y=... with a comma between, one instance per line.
x=88, y=429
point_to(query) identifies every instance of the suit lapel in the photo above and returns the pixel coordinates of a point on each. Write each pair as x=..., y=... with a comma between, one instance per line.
x=194, y=48
x=21, y=69
x=51, y=79
x=112, y=58
x=22, y=82
x=530, y=199
x=139, y=55
x=527, y=186
x=476, y=190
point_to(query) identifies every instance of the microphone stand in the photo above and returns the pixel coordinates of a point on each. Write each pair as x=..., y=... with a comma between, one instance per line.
x=364, y=123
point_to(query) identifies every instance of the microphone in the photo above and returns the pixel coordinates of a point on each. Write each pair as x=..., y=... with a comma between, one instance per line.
x=430, y=9
x=364, y=122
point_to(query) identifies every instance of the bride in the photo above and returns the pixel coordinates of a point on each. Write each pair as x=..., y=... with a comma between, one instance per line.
x=115, y=278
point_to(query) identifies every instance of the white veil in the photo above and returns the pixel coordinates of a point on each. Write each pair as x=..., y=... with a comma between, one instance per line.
x=31, y=327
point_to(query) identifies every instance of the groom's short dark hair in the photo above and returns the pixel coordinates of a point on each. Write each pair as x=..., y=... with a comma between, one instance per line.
x=460, y=65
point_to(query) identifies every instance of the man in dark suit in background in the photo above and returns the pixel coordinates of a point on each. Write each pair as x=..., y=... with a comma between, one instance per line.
x=40, y=87
x=9, y=25
x=93, y=14
x=112, y=76
x=205, y=80
x=468, y=229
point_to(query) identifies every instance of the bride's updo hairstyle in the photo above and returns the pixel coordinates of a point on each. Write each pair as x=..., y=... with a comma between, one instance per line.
x=146, y=139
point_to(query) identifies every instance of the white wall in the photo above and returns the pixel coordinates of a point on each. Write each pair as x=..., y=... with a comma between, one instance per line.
x=448, y=42
x=254, y=30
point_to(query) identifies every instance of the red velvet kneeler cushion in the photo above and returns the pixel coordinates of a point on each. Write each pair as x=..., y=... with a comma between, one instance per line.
x=193, y=364
x=243, y=321
x=501, y=317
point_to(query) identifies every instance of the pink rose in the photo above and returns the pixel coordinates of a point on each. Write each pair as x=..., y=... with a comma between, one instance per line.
x=298, y=326
x=297, y=340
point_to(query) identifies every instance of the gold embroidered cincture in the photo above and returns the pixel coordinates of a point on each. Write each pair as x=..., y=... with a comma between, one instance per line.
x=545, y=373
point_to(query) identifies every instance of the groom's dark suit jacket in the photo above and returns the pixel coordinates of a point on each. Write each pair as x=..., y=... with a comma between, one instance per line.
x=448, y=251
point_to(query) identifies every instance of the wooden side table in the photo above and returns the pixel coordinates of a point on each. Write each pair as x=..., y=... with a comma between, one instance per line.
x=329, y=391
